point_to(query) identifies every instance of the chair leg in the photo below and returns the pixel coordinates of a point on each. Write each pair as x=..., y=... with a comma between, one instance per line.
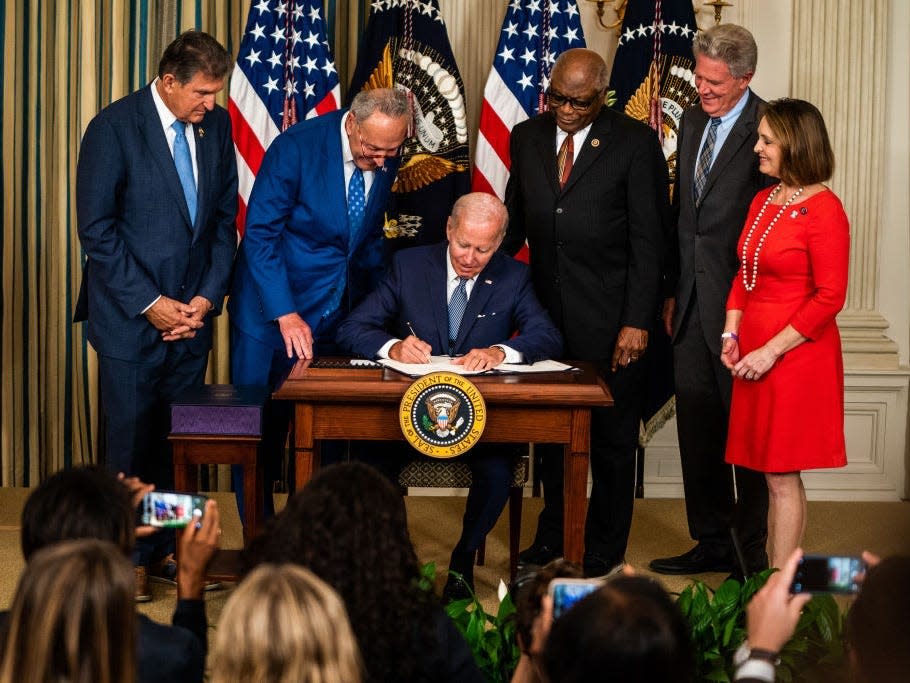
x=515, y=501
x=482, y=552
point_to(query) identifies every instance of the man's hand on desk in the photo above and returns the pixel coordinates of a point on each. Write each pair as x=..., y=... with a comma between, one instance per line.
x=298, y=339
x=410, y=350
x=481, y=359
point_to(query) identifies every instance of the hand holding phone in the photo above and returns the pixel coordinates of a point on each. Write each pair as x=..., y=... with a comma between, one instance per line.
x=566, y=592
x=169, y=509
x=827, y=574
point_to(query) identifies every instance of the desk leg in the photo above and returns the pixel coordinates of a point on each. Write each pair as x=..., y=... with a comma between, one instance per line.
x=575, y=484
x=306, y=462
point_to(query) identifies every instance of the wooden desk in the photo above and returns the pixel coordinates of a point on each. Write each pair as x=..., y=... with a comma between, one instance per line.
x=362, y=404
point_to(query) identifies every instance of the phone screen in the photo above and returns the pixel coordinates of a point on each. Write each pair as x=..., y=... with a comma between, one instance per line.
x=827, y=574
x=566, y=592
x=170, y=509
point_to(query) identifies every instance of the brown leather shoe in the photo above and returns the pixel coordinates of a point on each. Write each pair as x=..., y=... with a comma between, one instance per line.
x=143, y=594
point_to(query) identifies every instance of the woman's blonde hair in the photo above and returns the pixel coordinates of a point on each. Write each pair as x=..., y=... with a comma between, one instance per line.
x=73, y=618
x=283, y=624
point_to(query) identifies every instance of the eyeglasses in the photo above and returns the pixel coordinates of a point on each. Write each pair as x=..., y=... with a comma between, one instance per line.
x=373, y=152
x=556, y=100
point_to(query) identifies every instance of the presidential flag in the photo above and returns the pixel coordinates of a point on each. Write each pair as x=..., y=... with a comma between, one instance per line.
x=284, y=73
x=653, y=68
x=534, y=33
x=654, y=82
x=405, y=45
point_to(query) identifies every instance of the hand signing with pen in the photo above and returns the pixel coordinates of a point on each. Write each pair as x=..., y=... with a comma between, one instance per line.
x=411, y=350
x=481, y=359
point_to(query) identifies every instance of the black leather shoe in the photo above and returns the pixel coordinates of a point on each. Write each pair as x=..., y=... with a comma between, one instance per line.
x=455, y=589
x=538, y=555
x=597, y=567
x=702, y=558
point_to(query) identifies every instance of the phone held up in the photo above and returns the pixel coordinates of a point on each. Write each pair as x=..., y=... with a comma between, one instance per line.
x=566, y=592
x=169, y=509
x=827, y=574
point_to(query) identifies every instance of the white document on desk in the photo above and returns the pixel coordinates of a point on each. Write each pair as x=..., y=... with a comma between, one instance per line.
x=444, y=364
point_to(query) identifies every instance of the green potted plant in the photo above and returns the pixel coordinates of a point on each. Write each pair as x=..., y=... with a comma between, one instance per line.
x=717, y=620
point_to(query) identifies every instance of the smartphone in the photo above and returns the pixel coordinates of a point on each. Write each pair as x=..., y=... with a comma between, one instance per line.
x=827, y=574
x=566, y=592
x=169, y=509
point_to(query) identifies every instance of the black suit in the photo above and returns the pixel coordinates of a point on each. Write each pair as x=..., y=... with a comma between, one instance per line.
x=703, y=262
x=595, y=260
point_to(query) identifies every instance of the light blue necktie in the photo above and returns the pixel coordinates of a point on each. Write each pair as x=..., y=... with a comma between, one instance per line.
x=185, y=167
x=703, y=166
x=457, y=304
x=356, y=201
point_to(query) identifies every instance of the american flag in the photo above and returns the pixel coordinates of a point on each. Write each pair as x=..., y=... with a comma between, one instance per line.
x=534, y=33
x=284, y=73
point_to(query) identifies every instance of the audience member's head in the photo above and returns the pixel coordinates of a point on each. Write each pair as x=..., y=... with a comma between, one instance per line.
x=79, y=502
x=284, y=625
x=528, y=594
x=73, y=617
x=629, y=630
x=878, y=623
x=348, y=525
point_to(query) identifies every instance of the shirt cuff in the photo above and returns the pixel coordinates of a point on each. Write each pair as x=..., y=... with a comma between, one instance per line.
x=512, y=356
x=384, y=349
x=756, y=669
x=150, y=305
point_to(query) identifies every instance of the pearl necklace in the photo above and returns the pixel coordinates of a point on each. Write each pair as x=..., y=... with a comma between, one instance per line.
x=751, y=285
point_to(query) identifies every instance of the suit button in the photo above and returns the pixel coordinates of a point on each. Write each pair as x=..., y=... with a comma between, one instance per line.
x=560, y=244
x=559, y=210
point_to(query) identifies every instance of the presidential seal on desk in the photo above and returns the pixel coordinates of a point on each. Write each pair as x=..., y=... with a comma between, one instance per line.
x=442, y=415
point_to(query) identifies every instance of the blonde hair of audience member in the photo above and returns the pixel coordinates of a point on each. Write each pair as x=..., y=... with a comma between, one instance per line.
x=283, y=624
x=73, y=618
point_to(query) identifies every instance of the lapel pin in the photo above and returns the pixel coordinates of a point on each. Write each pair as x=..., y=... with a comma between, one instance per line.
x=804, y=211
x=488, y=282
x=200, y=132
x=595, y=143
x=793, y=214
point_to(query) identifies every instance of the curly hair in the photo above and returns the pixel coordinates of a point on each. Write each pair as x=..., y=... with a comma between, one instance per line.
x=349, y=527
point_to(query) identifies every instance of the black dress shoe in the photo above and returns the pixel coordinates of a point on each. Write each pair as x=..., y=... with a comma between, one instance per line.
x=597, y=567
x=456, y=589
x=702, y=558
x=538, y=555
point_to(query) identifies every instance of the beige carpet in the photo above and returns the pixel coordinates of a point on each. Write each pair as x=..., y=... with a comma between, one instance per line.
x=658, y=529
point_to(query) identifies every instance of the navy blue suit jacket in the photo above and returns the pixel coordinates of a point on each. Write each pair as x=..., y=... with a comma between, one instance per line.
x=135, y=228
x=414, y=291
x=298, y=252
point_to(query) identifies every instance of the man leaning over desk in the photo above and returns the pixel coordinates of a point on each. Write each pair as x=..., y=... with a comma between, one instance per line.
x=463, y=299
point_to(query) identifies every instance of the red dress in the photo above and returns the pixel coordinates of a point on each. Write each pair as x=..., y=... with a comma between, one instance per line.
x=793, y=417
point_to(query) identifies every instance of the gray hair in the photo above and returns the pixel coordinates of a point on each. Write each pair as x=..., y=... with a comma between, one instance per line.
x=482, y=207
x=389, y=101
x=731, y=44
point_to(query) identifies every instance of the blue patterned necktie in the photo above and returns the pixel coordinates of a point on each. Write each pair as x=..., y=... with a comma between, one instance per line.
x=703, y=167
x=185, y=167
x=356, y=201
x=457, y=304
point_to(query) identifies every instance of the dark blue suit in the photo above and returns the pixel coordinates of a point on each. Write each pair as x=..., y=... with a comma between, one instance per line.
x=136, y=232
x=501, y=302
x=299, y=254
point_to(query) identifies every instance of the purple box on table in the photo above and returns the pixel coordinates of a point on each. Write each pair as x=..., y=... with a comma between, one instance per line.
x=234, y=409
